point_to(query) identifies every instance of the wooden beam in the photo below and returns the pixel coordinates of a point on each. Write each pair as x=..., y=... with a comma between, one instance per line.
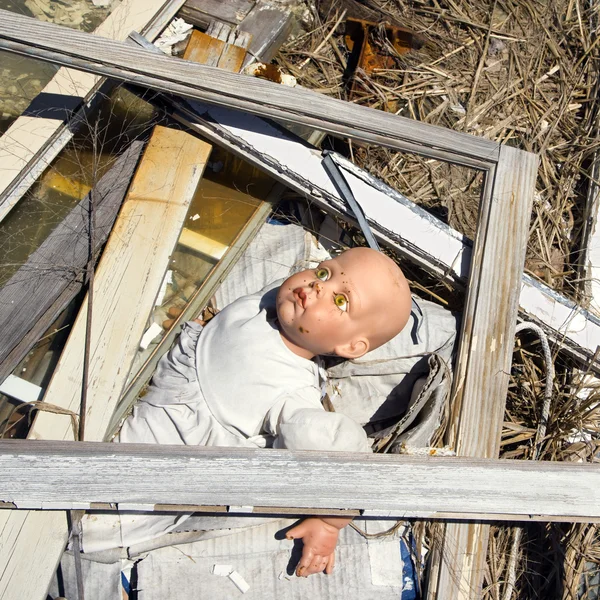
x=126, y=284
x=198, y=301
x=269, y=27
x=213, y=52
x=32, y=142
x=55, y=273
x=125, y=62
x=55, y=475
x=210, y=285
x=485, y=356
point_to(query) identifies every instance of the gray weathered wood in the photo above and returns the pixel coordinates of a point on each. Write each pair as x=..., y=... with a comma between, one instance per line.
x=485, y=355
x=127, y=63
x=202, y=12
x=55, y=272
x=63, y=474
x=269, y=27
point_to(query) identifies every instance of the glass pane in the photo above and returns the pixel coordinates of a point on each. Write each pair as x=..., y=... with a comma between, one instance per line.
x=119, y=120
x=69, y=178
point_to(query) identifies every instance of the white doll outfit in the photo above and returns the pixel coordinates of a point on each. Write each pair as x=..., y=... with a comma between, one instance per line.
x=235, y=383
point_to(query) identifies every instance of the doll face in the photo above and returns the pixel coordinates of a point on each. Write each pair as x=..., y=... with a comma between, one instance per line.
x=342, y=305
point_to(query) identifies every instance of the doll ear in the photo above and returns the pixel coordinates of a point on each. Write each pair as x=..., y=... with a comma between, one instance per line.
x=354, y=349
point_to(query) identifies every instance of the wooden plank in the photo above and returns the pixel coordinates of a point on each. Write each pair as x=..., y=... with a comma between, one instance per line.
x=28, y=301
x=136, y=256
x=227, y=255
x=269, y=27
x=232, y=58
x=194, y=306
x=53, y=475
x=202, y=12
x=485, y=356
x=204, y=49
x=212, y=52
x=31, y=142
x=297, y=105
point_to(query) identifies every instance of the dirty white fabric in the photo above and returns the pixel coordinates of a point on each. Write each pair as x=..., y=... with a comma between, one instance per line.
x=236, y=383
x=372, y=569
x=380, y=384
x=365, y=569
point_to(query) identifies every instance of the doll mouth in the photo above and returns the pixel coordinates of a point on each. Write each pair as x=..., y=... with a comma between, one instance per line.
x=300, y=297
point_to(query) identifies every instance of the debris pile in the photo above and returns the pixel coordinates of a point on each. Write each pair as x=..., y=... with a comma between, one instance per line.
x=524, y=74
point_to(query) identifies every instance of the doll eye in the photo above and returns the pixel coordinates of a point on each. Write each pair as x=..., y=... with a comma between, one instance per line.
x=322, y=274
x=341, y=302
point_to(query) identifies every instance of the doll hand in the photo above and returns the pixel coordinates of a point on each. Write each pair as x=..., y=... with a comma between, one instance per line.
x=319, y=540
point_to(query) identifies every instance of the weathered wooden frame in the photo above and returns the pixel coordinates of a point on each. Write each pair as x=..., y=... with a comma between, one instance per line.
x=65, y=476
x=489, y=321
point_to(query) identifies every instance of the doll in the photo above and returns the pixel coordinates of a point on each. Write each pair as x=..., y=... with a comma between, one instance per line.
x=248, y=378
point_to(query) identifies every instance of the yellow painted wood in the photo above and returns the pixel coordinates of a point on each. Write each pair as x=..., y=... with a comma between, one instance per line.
x=232, y=58
x=204, y=49
x=207, y=50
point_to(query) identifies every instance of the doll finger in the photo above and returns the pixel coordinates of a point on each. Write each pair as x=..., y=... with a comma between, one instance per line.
x=303, y=569
x=330, y=564
x=294, y=532
x=174, y=311
x=317, y=565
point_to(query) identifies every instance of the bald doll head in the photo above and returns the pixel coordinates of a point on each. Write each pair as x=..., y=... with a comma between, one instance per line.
x=347, y=306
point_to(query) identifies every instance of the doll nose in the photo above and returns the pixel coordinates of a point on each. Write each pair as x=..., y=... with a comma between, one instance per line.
x=317, y=287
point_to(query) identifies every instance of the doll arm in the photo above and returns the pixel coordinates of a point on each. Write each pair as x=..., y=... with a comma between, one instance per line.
x=319, y=536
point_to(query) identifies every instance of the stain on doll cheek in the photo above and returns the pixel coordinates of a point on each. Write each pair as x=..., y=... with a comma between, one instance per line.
x=302, y=330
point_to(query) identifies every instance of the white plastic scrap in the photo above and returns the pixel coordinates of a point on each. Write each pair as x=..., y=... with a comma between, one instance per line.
x=222, y=570
x=150, y=335
x=228, y=571
x=177, y=31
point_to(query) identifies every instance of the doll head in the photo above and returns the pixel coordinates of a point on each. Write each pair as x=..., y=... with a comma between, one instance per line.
x=347, y=306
